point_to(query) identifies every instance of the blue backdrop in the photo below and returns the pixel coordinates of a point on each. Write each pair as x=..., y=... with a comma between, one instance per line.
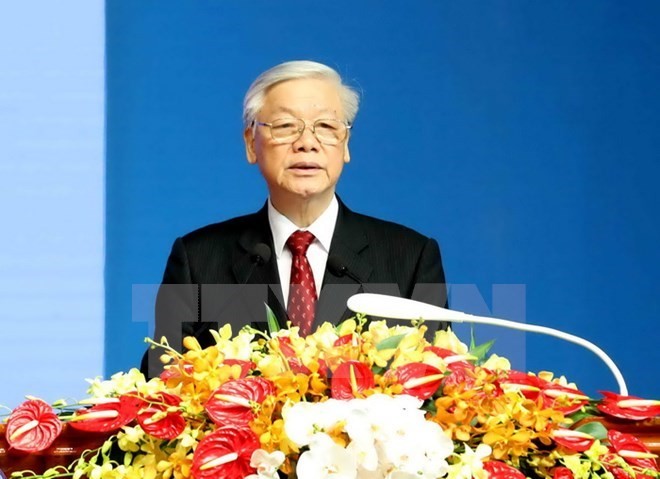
x=522, y=135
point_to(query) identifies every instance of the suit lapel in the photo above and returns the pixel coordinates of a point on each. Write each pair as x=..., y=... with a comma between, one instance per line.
x=348, y=242
x=247, y=272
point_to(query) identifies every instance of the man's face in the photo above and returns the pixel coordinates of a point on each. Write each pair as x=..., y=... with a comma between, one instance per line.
x=304, y=168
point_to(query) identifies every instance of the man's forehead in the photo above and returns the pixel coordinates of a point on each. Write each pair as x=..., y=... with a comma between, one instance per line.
x=304, y=91
x=308, y=98
x=310, y=108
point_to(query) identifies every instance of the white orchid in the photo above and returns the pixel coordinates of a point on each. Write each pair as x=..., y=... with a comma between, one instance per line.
x=122, y=383
x=234, y=347
x=471, y=463
x=417, y=446
x=266, y=464
x=389, y=439
x=302, y=420
x=326, y=459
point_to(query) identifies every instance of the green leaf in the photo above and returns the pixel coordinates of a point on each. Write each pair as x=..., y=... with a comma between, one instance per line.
x=595, y=429
x=390, y=343
x=273, y=325
x=585, y=412
x=473, y=342
x=429, y=406
x=480, y=351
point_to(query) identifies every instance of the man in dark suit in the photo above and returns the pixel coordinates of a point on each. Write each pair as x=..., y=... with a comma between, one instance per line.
x=304, y=253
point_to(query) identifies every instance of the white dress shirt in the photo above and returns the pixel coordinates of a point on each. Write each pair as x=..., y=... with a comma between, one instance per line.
x=317, y=254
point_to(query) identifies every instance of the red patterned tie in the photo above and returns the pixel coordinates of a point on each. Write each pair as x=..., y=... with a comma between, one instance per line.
x=302, y=290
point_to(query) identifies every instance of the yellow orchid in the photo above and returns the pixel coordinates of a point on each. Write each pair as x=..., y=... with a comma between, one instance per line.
x=497, y=363
x=446, y=339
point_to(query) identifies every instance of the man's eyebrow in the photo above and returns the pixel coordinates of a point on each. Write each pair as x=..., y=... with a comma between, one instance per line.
x=284, y=109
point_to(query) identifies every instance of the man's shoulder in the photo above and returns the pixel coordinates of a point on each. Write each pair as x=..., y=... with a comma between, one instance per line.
x=229, y=230
x=380, y=228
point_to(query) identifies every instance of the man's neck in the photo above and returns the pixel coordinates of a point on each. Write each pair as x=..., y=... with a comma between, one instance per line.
x=301, y=211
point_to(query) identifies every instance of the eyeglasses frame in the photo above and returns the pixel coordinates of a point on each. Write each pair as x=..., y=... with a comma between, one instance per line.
x=302, y=130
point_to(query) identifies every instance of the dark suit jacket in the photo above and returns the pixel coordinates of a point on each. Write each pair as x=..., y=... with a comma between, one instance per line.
x=212, y=276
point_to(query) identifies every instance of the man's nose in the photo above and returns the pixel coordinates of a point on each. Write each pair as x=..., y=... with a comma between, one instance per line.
x=307, y=139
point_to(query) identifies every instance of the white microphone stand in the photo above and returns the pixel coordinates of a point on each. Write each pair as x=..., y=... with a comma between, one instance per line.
x=393, y=307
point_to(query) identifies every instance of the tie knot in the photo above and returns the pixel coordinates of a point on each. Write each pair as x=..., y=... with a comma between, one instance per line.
x=299, y=241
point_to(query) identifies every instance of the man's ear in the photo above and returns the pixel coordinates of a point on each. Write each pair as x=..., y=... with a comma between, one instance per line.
x=248, y=136
x=347, y=153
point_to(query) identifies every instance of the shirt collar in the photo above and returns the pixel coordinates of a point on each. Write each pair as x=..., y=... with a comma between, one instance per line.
x=323, y=228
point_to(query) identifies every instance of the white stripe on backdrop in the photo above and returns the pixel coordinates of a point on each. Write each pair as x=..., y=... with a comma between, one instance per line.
x=51, y=197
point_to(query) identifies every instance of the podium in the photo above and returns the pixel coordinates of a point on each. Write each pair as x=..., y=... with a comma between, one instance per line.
x=67, y=447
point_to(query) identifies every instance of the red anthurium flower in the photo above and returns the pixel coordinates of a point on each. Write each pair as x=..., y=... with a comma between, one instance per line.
x=562, y=473
x=246, y=366
x=574, y=440
x=324, y=370
x=350, y=378
x=619, y=473
x=160, y=417
x=448, y=355
x=286, y=348
x=346, y=339
x=530, y=386
x=561, y=398
x=628, y=407
x=233, y=402
x=298, y=367
x=32, y=426
x=289, y=353
x=500, y=470
x=175, y=372
x=225, y=453
x=440, y=352
x=632, y=450
x=419, y=379
x=555, y=396
x=108, y=414
x=460, y=375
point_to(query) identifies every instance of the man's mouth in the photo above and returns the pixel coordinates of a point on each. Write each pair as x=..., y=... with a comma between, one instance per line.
x=305, y=166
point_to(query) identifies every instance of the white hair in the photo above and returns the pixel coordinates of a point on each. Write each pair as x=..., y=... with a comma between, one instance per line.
x=255, y=96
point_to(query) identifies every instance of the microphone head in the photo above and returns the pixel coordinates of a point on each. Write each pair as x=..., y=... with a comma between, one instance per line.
x=336, y=266
x=393, y=307
x=260, y=253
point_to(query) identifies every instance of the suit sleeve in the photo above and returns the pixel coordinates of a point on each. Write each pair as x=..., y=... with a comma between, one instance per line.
x=177, y=269
x=176, y=307
x=429, y=279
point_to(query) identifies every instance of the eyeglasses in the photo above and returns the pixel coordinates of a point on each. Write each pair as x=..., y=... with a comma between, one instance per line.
x=328, y=132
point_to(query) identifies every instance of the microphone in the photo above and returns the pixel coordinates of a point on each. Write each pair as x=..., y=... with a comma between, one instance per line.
x=339, y=269
x=394, y=307
x=259, y=255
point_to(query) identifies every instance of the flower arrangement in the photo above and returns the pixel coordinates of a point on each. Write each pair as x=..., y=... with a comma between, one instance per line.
x=358, y=400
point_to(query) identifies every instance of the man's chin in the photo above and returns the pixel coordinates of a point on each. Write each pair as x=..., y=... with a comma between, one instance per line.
x=310, y=192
